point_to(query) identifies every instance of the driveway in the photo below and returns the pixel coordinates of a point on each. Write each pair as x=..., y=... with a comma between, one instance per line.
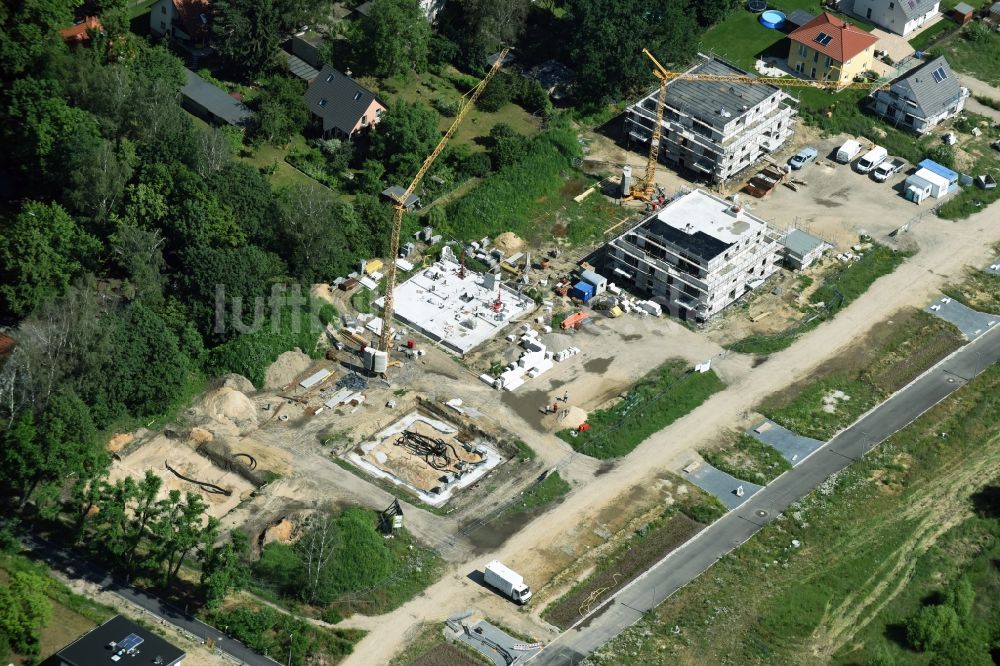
x=983, y=89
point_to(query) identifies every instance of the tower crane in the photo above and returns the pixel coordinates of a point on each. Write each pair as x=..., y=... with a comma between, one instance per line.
x=380, y=359
x=646, y=188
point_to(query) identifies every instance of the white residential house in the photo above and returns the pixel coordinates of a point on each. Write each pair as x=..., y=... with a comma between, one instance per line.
x=695, y=256
x=897, y=16
x=713, y=129
x=922, y=97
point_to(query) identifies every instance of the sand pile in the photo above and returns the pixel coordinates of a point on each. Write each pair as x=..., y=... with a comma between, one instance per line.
x=281, y=532
x=286, y=368
x=508, y=243
x=230, y=407
x=323, y=291
x=200, y=436
x=120, y=441
x=238, y=382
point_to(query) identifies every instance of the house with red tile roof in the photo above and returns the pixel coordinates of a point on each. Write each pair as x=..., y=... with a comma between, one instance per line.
x=81, y=32
x=831, y=49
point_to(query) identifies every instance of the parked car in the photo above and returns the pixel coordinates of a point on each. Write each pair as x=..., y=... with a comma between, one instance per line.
x=802, y=158
x=887, y=169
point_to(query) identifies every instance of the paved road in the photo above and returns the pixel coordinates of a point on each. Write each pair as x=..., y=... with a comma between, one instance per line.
x=732, y=530
x=74, y=566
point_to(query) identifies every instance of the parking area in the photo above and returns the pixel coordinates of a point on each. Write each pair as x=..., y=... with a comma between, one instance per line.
x=729, y=490
x=792, y=446
x=971, y=323
x=835, y=202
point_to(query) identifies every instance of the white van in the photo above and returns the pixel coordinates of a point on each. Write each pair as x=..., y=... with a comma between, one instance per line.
x=848, y=151
x=871, y=159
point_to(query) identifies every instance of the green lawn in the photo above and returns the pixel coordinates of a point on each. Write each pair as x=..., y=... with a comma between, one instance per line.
x=931, y=34
x=740, y=38
x=546, y=492
x=657, y=400
x=853, y=382
x=980, y=59
x=985, y=160
x=72, y=614
x=428, y=87
x=834, y=577
x=749, y=459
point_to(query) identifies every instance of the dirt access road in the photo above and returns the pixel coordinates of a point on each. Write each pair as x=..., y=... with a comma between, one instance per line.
x=946, y=248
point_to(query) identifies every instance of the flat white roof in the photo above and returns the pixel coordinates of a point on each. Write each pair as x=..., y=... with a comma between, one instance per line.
x=930, y=177
x=455, y=311
x=700, y=211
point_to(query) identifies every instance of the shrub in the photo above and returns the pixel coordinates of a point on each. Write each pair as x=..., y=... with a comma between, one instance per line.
x=976, y=32
x=505, y=201
x=476, y=165
x=932, y=626
x=943, y=155
x=251, y=353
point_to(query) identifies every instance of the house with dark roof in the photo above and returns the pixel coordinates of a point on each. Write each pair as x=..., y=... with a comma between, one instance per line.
x=829, y=48
x=118, y=641
x=342, y=106
x=188, y=25
x=713, y=130
x=212, y=104
x=695, y=256
x=898, y=16
x=922, y=97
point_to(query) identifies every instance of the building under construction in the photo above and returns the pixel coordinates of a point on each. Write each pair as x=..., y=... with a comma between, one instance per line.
x=713, y=128
x=430, y=457
x=696, y=255
x=457, y=307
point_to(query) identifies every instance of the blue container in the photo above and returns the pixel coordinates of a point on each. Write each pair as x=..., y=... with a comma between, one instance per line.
x=583, y=291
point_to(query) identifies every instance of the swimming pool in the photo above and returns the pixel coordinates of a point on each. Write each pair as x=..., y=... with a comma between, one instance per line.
x=773, y=19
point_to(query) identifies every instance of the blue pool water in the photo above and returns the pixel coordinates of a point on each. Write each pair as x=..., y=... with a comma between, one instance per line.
x=772, y=19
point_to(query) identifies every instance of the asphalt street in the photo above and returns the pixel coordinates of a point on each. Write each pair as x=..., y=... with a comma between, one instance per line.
x=75, y=567
x=736, y=527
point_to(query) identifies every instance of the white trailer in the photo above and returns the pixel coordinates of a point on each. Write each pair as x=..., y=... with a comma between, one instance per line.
x=508, y=582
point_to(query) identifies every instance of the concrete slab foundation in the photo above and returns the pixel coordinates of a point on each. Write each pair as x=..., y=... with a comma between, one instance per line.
x=971, y=323
x=459, y=312
x=723, y=486
x=792, y=446
x=381, y=458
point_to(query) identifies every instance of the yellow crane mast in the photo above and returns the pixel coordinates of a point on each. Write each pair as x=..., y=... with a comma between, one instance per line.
x=385, y=340
x=645, y=190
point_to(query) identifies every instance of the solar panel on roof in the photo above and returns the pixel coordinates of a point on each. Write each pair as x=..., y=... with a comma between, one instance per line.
x=823, y=39
x=939, y=74
x=130, y=642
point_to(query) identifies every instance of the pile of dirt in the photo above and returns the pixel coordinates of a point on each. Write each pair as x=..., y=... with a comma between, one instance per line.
x=286, y=368
x=200, y=436
x=120, y=441
x=322, y=291
x=281, y=532
x=230, y=407
x=237, y=382
x=508, y=243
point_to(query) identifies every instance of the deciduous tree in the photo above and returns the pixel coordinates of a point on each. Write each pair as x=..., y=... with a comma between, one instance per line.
x=393, y=39
x=40, y=253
